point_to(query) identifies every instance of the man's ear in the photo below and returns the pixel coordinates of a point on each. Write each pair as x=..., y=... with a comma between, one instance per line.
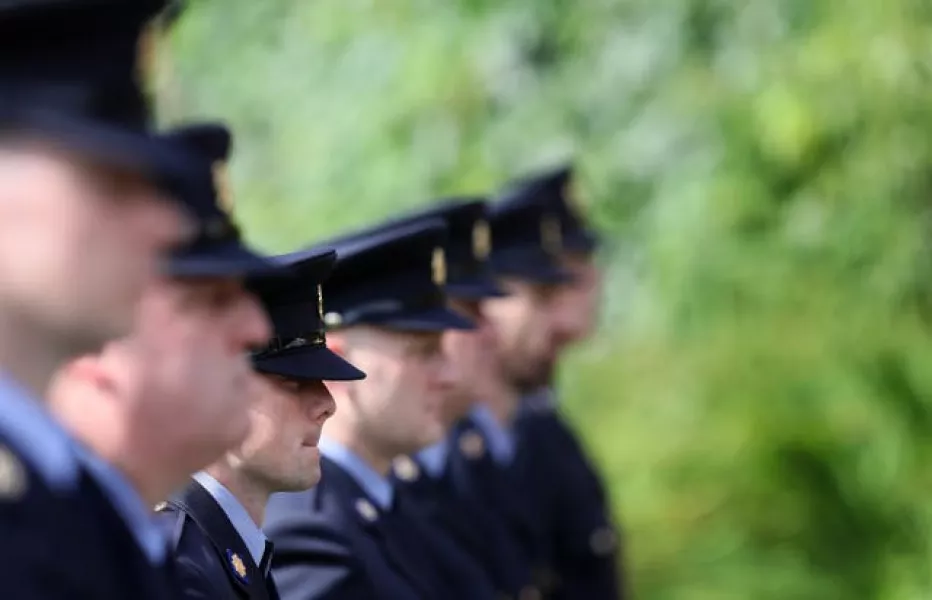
x=90, y=370
x=337, y=343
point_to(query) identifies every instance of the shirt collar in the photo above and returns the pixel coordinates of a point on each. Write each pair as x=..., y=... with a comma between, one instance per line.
x=500, y=440
x=247, y=529
x=378, y=488
x=129, y=505
x=433, y=458
x=36, y=436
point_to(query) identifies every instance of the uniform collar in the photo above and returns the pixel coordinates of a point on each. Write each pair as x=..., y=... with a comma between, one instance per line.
x=247, y=529
x=543, y=400
x=36, y=436
x=376, y=486
x=500, y=440
x=128, y=504
x=434, y=458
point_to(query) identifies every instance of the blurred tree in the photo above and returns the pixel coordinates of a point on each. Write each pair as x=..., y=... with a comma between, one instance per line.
x=759, y=394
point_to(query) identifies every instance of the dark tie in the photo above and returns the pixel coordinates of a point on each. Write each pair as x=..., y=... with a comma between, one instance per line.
x=265, y=568
x=266, y=560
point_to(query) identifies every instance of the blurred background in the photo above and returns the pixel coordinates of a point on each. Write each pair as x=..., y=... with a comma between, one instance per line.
x=760, y=391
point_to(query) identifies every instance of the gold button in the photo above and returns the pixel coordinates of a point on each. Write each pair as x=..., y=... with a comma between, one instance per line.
x=366, y=510
x=406, y=469
x=13, y=481
x=603, y=541
x=529, y=592
x=472, y=445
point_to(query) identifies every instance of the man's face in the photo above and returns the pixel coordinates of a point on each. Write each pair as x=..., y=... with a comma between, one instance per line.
x=472, y=354
x=525, y=336
x=577, y=303
x=399, y=403
x=187, y=370
x=281, y=448
x=78, y=244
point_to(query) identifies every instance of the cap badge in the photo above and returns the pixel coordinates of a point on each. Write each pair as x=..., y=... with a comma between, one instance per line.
x=551, y=236
x=438, y=265
x=481, y=240
x=147, y=53
x=572, y=197
x=222, y=186
x=320, y=302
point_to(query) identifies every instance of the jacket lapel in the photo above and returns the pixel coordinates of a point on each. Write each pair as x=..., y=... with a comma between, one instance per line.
x=241, y=569
x=378, y=524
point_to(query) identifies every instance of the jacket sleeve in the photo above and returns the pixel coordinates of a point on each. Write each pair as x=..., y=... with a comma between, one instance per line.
x=313, y=561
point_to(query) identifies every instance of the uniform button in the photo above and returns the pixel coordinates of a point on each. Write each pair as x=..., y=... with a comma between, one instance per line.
x=529, y=592
x=603, y=541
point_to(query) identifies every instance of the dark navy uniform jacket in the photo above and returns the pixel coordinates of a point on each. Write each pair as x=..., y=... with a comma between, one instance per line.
x=579, y=537
x=211, y=559
x=60, y=538
x=484, y=482
x=334, y=543
x=473, y=526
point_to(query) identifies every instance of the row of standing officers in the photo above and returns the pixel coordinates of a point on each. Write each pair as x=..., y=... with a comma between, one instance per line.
x=368, y=418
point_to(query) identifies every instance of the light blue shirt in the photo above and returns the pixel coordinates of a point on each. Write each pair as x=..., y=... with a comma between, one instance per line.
x=500, y=439
x=37, y=437
x=433, y=458
x=124, y=498
x=377, y=487
x=247, y=529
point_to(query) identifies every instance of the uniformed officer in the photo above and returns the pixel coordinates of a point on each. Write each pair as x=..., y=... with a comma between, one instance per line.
x=219, y=548
x=83, y=220
x=352, y=536
x=426, y=477
x=170, y=398
x=578, y=532
x=482, y=445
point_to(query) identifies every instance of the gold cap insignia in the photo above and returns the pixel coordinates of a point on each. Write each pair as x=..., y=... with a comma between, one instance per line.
x=551, y=236
x=603, y=541
x=438, y=265
x=222, y=186
x=406, y=469
x=333, y=319
x=571, y=194
x=239, y=567
x=366, y=510
x=160, y=506
x=13, y=482
x=320, y=302
x=481, y=240
x=147, y=54
x=472, y=445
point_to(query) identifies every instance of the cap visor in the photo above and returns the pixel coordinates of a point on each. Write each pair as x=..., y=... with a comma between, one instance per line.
x=530, y=266
x=582, y=242
x=317, y=363
x=474, y=288
x=433, y=319
x=134, y=150
x=231, y=259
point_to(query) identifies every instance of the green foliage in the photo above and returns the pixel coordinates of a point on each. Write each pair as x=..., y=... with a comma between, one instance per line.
x=759, y=392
